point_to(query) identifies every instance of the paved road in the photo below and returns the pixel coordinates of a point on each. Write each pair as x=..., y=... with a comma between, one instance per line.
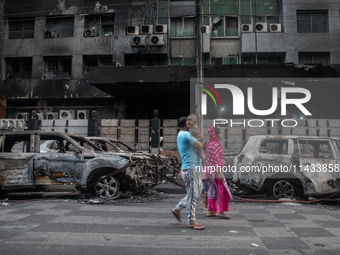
x=67, y=226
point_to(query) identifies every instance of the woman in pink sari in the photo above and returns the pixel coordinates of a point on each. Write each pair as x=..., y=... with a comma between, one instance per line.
x=217, y=186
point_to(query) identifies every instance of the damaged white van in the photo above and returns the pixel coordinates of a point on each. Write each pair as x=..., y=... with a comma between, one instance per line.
x=289, y=166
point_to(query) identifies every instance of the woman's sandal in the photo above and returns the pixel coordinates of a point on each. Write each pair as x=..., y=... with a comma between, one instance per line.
x=211, y=214
x=196, y=226
x=223, y=215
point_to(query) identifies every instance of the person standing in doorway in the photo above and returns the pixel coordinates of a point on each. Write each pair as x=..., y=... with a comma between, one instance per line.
x=186, y=144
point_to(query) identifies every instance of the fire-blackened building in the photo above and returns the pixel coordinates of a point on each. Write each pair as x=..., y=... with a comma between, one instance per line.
x=124, y=58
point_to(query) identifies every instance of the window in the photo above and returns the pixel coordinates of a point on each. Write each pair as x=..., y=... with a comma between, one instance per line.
x=316, y=149
x=314, y=57
x=96, y=61
x=146, y=59
x=182, y=61
x=182, y=27
x=231, y=60
x=18, y=68
x=57, y=67
x=312, y=21
x=103, y=24
x=268, y=60
x=224, y=26
x=274, y=147
x=62, y=25
x=260, y=11
x=148, y=12
x=20, y=28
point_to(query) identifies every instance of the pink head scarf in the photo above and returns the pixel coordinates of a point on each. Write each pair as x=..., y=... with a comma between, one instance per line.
x=214, y=151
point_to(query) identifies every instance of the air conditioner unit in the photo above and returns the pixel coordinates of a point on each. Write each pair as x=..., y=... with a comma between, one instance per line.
x=51, y=115
x=261, y=27
x=275, y=28
x=82, y=114
x=50, y=34
x=146, y=29
x=138, y=41
x=67, y=114
x=247, y=28
x=157, y=40
x=205, y=29
x=90, y=32
x=4, y=124
x=40, y=115
x=132, y=30
x=23, y=115
x=161, y=29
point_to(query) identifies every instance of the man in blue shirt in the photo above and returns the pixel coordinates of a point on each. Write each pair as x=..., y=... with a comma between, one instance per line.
x=193, y=183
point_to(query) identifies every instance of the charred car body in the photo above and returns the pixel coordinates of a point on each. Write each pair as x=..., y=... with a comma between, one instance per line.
x=288, y=166
x=50, y=163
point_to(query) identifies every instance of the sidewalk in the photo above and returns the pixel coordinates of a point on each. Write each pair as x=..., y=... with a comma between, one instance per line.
x=68, y=226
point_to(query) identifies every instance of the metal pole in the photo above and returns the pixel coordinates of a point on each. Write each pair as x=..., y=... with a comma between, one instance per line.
x=255, y=34
x=199, y=63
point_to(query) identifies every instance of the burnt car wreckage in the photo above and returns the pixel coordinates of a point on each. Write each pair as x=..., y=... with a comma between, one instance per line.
x=54, y=163
x=287, y=166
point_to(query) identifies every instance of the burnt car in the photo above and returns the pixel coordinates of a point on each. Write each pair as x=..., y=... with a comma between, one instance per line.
x=51, y=163
x=288, y=166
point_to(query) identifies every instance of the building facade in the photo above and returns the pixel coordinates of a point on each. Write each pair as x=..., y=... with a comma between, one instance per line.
x=125, y=58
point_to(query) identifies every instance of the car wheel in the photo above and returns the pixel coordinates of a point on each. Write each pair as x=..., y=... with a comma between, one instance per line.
x=108, y=188
x=283, y=189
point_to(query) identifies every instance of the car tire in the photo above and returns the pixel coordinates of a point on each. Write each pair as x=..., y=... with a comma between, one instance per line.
x=108, y=188
x=284, y=189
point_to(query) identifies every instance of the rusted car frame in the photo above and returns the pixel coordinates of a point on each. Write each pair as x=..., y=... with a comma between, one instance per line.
x=67, y=163
x=289, y=166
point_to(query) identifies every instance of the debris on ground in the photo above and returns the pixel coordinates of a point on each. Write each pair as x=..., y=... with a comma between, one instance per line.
x=127, y=198
x=5, y=203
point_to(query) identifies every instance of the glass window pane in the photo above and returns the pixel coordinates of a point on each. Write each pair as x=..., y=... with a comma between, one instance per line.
x=305, y=58
x=176, y=27
x=162, y=9
x=266, y=7
x=175, y=61
x=26, y=68
x=224, y=7
x=28, y=31
x=217, y=29
x=91, y=20
x=65, y=68
x=105, y=61
x=245, y=8
x=247, y=60
x=107, y=25
x=15, y=30
x=319, y=22
x=189, y=27
x=231, y=26
x=189, y=61
x=206, y=20
x=182, y=8
x=245, y=20
x=273, y=19
x=67, y=27
x=303, y=23
x=205, y=7
x=229, y=61
x=321, y=58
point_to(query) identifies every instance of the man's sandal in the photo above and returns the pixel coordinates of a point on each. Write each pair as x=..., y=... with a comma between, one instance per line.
x=196, y=226
x=177, y=214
